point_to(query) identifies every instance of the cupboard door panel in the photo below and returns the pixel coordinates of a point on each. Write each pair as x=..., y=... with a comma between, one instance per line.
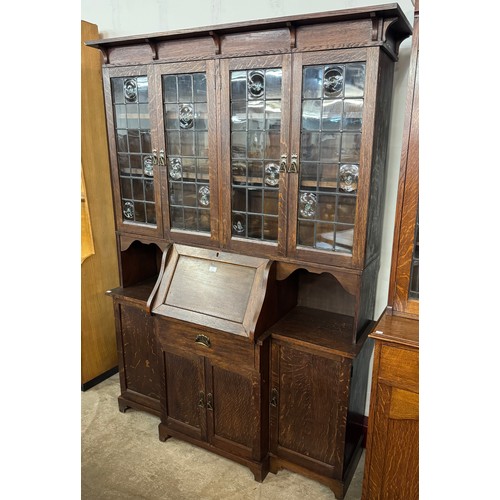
x=310, y=407
x=132, y=140
x=139, y=352
x=334, y=94
x=187, y=121
x=234, y=418
x=255, y=128
x=186, y=397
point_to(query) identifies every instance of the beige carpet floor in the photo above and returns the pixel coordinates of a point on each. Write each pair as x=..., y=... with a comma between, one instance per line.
x=122, y=458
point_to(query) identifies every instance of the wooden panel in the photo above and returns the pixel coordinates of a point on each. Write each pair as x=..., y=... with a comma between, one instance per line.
x=312, y=408
x=140, y=353
x=338, y=35
x=379, y=157
x=186, y=49
x=399, y=365
x=220, y=303
x=224, y=347
x=407, y=202
x=100, y=271
x=133, y=54
x=404, y=405
x=235, y=416
x=255, y=42
x=186, y=397
x=392, y=470
x=213, y=288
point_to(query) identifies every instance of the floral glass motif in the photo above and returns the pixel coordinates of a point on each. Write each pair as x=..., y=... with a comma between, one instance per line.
x=348, y=178
x=128, y=210
x=133, y=144
x=330, y=144
x=255, y=101
x=204, y=196
x=148, y=166
x=185, y=108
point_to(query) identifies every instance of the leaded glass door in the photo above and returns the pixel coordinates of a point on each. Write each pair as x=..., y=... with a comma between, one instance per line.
x=134, y=151
x=187, y=125
x=328, y=112
x=255, y=115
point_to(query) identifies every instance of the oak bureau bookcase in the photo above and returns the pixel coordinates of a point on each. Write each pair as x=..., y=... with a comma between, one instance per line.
x=248, y=165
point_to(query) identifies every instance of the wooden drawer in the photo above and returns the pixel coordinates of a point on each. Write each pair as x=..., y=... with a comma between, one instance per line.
x=399, y=365
x=225, y=348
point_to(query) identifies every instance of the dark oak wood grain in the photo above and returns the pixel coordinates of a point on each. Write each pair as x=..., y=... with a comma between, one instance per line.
x=138, y=358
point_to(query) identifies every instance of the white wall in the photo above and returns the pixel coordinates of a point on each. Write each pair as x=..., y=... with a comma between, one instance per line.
x=116, y=18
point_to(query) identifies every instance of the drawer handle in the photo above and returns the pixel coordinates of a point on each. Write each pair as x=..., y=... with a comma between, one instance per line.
x=203, y=340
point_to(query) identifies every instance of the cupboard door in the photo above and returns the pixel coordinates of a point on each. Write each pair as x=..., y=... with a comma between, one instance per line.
x=254, y=132
x=187, y=123
x=138, y=356
x=184, y=406
x=133, y=143
x=332, y=143
x=233, y=410
x=308, y=402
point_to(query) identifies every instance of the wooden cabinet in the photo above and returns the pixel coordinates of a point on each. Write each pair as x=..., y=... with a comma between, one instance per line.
x=392, y=454
x=318, y=388
x=391, y=467
x=211, y=399
x=275, y=147
x=211, y=311
x=257, y=151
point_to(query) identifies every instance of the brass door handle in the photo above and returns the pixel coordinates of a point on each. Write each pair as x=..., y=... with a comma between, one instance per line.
x=294, y=165
x=283, y=163
x=161, y=160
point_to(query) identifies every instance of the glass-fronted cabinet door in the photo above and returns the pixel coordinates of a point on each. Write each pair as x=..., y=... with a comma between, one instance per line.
x=187, y=126
x=133, y=150
x=329, y=145
x=255, y=115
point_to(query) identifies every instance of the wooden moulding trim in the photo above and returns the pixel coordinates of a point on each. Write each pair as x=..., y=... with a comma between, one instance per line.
x=127, y=239
x=348, y=281
x=163, y=266
x=382, y=11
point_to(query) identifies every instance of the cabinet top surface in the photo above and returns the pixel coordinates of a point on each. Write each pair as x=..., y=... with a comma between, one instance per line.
x=379, y=11
x=397, y=329
x=321, y=330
